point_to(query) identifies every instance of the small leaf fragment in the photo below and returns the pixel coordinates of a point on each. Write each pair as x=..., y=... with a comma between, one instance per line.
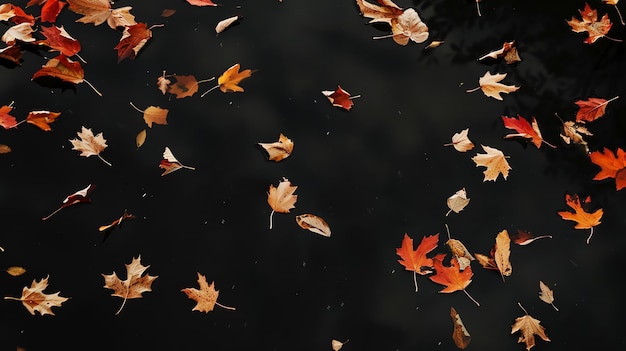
x=460, y=335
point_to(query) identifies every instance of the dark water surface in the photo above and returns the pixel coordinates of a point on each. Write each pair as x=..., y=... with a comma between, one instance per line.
x=373, y=173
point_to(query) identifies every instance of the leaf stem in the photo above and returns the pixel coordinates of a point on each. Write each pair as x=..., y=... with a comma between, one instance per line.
x=105, y=161
x=547, y=143
x=448, y=229
x=472, y=90
x=52, y=214
x=135, y=107
x=206, y=92
x=80, y=58
x=522, y=307
x=225, y=307
x=616, y=40
x=415, y=280
x=156, y=26
x=92, y=87
x=556, y=309
x=205, y=80
x=590, y=235
x=478, y=8
x=18, y=123
x=354, y=97
x=12, y=298
x=385, y=36
x=621, y=19
x=271, y=215
x=188, y=167
x=471, y=298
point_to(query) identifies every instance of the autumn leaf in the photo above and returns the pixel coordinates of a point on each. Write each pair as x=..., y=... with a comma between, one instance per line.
x=491, y=87
x=163, y=83
x=457, y=201
x=202, y=3
x=612, y=165
x=383, y=12
x=278, y=150
x=340, y=98
x=528, y=328
x=459, y=251
x=63, y=68
x=205, y=297
x=572, y=132
x=141, y=138
x=93, y=11
x=121, y=17
x=407, y=26
x=583, y=219
x=524, y=237
x=6, y=119
x=546, y=295
x=153, y=114
x=614, y=3
x=461, y=142
x=451, y=276
x=4, y=149
x=589, y=23
x=591, y=109
x=230, y=79
x=313, y=223
x=169, y=163
x=81, y=196
x=495, y=161
x=57, y=38
x=90, y=145
x=185, y=86
x=116, y=222
x=34, y=299
x=12, y=54
x=15, y=271
x=508, y=52
x=22, y=32
x=50, y=10
x=460, y=335
x=525, y=130
x=17, y=15
x=281, y=199
x=499, y=255
x=133, y=286
x=416, y=260
x=225, y=23
x=42, y=119
x=133, y=39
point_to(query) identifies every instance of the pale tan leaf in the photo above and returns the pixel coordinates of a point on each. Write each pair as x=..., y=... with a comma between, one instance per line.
x=495, y=161
x=225, y=23
x=90, y=145
x=34, y=299
x=458, y=201
x=278, y=150
x=121, y=17
x=528, y=327
x=546, y=295
x=281, y=199
x=461, y=142
x=22, y=32
x=491, y=87
x=502, y=253
x=313, y=223
x=337, y=345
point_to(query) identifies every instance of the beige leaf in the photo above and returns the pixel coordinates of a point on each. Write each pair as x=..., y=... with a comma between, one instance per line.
x=546, y=295
x=169, y=163
x=458, y=201
x=491, y=87
x=163, y=83
x=460, y=335
x=461, y=142
x=313, y=223
x=34, y=299
x=133, y=286
x=495, y=161
x=281, y=199
x=573, y=133
x=121, y=17
x=337, y=345
x=459, y=251
x=502, y=253
x=6, y=12
x=90, y=145
x=22, y=32
x=409, y=26
x=384, y=12
x=223, y=24
x=141, y=138
x=529, y=327
x=278, y=150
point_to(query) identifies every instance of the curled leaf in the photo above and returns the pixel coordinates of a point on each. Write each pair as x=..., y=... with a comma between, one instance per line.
x=313, y=223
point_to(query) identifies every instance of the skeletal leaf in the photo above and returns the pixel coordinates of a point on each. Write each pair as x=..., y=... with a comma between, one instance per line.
x=546, y=295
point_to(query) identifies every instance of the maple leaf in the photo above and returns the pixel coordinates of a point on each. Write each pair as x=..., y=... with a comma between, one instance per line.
x=612, y=166
x=460, y=141
x=591, y=109
x=495, y=161
x=451, y=276
x=340, y=98
x=133, y=39
x=416, y=260
x=278, y=150
x=93, y=11
x=81, y=196
x=583, y=219
x=546, y=295
x=488, y=83
x=57, y=38
x=6, y=119
x=407, y=26
x=460, y=335
x=508, y=52
x=589, y=23
x=229, y=80
x=63, y=68
x=525, y=130
x=457, y=201
x=51, y=9
x=500, y=254
x=34, y=299
x=205, y=297
x=19, y=16
x=524, y=237
x=202, y=3
x=528, y=327
x=22, y=32
x=153, y=114
x=383, y=12
x=572, y=132
x=614, y=3
x=116, y=222
x=225, y=23
x=90, y=145
x=281, y=199
x=170, y=164
x=121, y=17
x=133, y=286
x=314, y=223
x=163, y=83
x=185, y=86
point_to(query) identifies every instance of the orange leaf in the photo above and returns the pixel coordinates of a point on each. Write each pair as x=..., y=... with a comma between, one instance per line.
x=63, y=68
x=591, y=109
x=499, y=255
x=583, y=219
x=278, y=150
x=281, y=199
x=416, y=260
x=50, y=10
x=451, y=276
x=184, y=86
x=202, y=3
x=34, y=299
x=6, y=120
x=590, y=24
x=524, y=129
x=339, y=98
x=133, y=39
x=612, y=166
x=42, y=119
x=205, y=297
x=230, y=79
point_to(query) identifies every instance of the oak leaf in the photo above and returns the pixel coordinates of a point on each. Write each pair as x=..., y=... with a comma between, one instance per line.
x=34, y=299
x=451, y=276
x=491, y=87
x=281, y=199
x=528, y=328
x=205, y=297
x=546, y=294
x=461, y=142
x=613, y=165
x=340, y=98
x=93, y=11
x=495, y=161
x=591, y=109
x=499, y=255
x=383, y=12
x=457, y=201
x=589, y=23
x=278, y=150
x=583, y=219
x=314, y=223
x=81, y=196
x=508, y=52
x=133, y=286
x=525, y=130
x=460, y=335
x=169, y=163
x=416, y=260
x=133, y=39
x=63, y=68
x=90, y=145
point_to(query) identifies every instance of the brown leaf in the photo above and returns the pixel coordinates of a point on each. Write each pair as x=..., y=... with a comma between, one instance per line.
x=132, y=41
x=4, y=149
x=170, y=164
x=116, y=222
x=499, y=255
x=121, y=17
x=90, y=145
x=34, y=299
x=184, y=86
x=313, y=223
x=508, y=52
x=205, y=297
x=528, y=327
x=460, y=335
x=546, y=295
x=15, y=271
x=133, y=286
x=384, y=12
x=278, y=150
x=163, y=83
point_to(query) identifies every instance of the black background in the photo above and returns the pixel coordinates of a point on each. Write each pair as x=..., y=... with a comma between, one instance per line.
x=374, y=173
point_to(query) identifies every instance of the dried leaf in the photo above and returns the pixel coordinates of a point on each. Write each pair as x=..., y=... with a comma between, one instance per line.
x=201, y=2
x=133, y=286
x=57, y=38
x=495, y=161
x=313, y=223
x=153, y=114
x=281, y=199
x=591, y=109
x=4, y=149
x=528, y=327
x=463, y=256
x=169, y=163
x=336, y=345
x=163, y=83
x=524, y=237
x=491, y=87
x=340, y=98
x=15, y=271
x=168, y=12
x=133, y=39
x=573, y=133
x=583, y=219
x=50, y=10
x=6, y=119
x=508, y=52
x=590, y=24
x=225, y=23
x=230, y=79
x=42, y=119
x=612, y=165
x=205, y=297
x=457, y=201
x=121, y=17
x=278, y=150
x=461, y=142
x=460, y=335
x=63, y=68
x=546, y=295
x=22, y=32
x=384, y=12
x=34, y=299
x=93, y=11
x=184, y=86
x=141, y=138
x=416, y=260
x=90, y=145
x=433, y=44
x=525, y=130
x=408, y=26
x=81, y=196
x=499, y=255
x=116, y=222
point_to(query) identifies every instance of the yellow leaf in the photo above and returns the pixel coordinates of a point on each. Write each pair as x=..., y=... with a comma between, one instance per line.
x=16, y=271
x=230, y=79
x=141, y=138
x=495, y=161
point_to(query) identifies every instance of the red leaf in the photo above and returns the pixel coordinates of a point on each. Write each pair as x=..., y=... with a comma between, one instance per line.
x=58, y=39
x=63, y=68
x=6, y=120
x=19, y=16
x=50, y=10
x=591, y=109
x=133, y=39
x=202, y=3
x=524, y=129
x=339, y=98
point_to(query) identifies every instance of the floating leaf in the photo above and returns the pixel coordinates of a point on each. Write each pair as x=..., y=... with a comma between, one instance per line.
x=34, y=299
x=205, y=297
x=313, y=223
